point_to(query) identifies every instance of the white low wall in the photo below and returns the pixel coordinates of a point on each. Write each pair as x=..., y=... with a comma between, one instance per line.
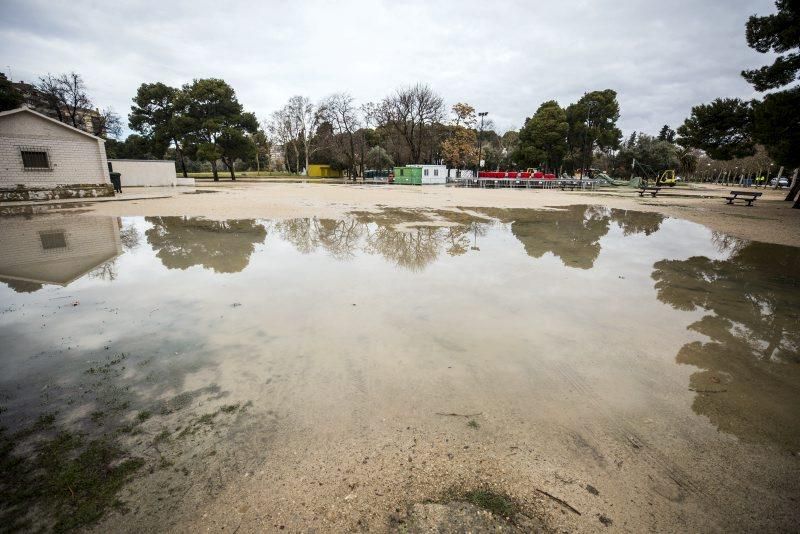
x=144, y=172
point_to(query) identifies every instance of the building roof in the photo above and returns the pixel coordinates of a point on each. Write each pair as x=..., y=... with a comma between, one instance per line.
x=45, y=117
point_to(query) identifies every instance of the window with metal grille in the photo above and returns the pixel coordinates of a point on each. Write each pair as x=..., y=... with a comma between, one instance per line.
x=53, y=239
x=35, y=159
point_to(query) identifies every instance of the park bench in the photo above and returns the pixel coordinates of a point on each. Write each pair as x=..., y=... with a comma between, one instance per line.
x=650, y=190
x=747, y=196
x=570, y=185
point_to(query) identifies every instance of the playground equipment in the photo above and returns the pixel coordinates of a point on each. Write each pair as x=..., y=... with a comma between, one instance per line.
x=667, y=177
x=600, y=175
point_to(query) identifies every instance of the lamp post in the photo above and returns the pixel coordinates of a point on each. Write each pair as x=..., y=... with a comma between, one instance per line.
x=482, y=114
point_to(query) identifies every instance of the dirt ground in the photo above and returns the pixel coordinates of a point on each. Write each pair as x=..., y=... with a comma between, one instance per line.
x=771, y=219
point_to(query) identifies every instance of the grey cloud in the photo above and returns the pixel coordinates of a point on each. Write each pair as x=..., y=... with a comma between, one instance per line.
x=504, y=57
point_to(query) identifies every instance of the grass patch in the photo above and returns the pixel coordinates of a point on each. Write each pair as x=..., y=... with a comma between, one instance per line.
x=66, y=480
x=473, y=424
x=230, y=408
x=496, y=503
x=161, y=437
x=143, y=416
x=206, y=419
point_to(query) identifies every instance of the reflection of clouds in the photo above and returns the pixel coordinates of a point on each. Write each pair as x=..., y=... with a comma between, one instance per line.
x=754, y=350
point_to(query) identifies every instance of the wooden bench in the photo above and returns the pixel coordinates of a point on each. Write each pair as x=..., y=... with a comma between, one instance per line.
x=747, y=196
x=650, y=190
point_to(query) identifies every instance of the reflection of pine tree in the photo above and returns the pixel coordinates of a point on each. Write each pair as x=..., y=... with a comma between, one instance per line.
x=637, y=222
x=573, y=233
x=753, y=354
x=223, y=246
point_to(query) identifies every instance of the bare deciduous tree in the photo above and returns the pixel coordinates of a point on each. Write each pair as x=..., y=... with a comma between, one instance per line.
x=342, y=113
x=284, y=129
x=66, y=96
x=307, y=117
x=410, y=111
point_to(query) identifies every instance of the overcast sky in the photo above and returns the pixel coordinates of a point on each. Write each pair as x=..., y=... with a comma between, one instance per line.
x=504, y=57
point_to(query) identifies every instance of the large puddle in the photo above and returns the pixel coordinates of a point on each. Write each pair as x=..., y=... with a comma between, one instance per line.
x=146, y=364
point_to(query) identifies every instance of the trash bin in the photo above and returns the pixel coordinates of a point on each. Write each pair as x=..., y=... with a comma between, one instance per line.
x=116, y=181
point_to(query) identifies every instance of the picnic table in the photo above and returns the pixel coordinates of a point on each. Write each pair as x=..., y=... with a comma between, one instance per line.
x=653, y=191
x=746, y=196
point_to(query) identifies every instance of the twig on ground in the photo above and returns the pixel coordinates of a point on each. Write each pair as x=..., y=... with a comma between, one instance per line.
x=559, y=501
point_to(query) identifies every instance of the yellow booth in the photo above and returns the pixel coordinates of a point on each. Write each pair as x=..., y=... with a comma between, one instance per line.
x=323, y=171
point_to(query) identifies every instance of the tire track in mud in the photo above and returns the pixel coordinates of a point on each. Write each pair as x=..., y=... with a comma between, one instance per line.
x=626, y=434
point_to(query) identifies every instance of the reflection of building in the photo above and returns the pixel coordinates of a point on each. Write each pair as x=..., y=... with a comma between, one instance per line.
x=41, y=158
x=55, y=250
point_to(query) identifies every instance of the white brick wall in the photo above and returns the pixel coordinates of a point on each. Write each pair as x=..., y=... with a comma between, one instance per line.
x=75, y=158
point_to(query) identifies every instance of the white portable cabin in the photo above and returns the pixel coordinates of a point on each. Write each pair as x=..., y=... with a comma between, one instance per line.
x=433, y=174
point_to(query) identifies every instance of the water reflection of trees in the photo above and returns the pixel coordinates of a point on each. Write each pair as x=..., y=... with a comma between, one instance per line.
x=129, y=238
x=572, y=233
x=411, y=247
x=752, y=358
x=340, y=238
x=223, y=246
x=637, y=222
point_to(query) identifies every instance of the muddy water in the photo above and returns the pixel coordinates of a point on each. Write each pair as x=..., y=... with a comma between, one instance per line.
x=329, y=373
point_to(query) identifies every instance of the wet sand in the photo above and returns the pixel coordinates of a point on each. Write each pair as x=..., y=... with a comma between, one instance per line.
x=771, y=220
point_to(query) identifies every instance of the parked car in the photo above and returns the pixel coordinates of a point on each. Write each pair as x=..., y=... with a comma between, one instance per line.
x=781, y=181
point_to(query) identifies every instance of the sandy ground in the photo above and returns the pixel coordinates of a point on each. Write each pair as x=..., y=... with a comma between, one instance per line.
x=771, y=219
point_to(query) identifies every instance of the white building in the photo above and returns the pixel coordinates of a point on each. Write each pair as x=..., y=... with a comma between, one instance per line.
x=148, y=173
x=42, y=158
x=433, y=174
